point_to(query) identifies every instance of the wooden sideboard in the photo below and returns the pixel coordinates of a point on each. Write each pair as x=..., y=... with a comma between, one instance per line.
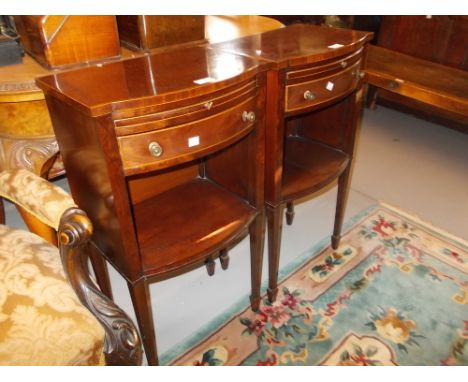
x=167, y=158
x=314, y=94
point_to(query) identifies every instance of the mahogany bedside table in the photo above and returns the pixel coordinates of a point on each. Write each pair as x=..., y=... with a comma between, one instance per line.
x=314, y=93
x=166, y=155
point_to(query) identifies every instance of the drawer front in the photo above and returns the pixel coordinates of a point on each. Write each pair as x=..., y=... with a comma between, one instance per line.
x=322, y=70
x=312, y=93
x=167, y=147
x=172, y=114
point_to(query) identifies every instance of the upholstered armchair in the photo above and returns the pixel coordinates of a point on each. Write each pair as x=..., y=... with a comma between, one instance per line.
x=51, y=310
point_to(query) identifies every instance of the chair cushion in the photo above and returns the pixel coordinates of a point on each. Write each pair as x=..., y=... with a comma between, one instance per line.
x=42, y=322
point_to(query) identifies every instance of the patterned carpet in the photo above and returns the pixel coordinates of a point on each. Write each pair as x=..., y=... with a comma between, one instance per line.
x=394, y=293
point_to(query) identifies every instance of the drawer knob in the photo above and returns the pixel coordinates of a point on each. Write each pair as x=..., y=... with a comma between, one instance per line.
x=309, y=96
x=344, y=64
x=248, y=116
x=155, y=149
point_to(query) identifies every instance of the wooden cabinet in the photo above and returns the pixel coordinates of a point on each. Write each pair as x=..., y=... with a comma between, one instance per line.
x=166, y=154
x=313, y=108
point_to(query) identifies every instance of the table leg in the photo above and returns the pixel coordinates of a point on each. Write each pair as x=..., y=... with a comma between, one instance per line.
x=275, y=225
x=256, y=232
x=141, y=299
x=371, y=98
x=343, y=188
x=289, y=212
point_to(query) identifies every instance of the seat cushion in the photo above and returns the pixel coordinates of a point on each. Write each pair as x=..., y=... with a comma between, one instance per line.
x=42, y=321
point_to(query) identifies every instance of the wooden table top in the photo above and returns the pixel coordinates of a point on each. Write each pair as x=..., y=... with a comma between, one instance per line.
x=168, y=76
x=17, y=82
x=299, y=44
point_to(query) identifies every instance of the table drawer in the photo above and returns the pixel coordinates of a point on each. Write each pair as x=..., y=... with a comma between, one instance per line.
x=166, y=147
x=180, y=112
x=311, y=93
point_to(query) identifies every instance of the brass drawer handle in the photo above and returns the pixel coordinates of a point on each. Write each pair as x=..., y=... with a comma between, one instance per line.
x=248, y=116
x=309, y=96
x=155, y=149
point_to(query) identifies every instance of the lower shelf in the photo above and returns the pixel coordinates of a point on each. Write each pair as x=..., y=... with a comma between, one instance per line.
x=309, y=166
x=179, y=227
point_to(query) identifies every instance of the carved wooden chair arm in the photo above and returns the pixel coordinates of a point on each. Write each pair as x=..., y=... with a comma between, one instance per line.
x=56, y=208
x=122, y=345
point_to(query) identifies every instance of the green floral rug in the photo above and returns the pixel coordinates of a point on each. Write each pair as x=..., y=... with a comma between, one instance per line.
x=394, y=293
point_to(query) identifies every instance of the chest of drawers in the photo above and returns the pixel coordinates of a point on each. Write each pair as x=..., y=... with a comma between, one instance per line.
x=166, y=154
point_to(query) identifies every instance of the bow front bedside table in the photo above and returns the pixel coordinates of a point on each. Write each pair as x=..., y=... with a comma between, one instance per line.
x=166, y=155
x=314, y=92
